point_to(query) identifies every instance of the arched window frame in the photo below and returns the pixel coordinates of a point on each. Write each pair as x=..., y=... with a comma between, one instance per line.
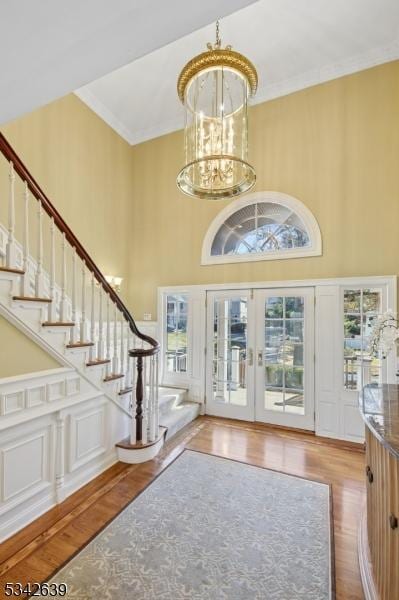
x=295, y=205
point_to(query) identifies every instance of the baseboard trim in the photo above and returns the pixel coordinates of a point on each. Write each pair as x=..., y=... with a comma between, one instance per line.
x=308, y=435
x=27, y=516
x=90, y=473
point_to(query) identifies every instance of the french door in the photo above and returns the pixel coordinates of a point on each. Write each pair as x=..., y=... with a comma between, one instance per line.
x=260, y=356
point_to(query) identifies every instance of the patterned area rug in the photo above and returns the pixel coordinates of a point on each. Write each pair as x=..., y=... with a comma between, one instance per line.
x=209, y=528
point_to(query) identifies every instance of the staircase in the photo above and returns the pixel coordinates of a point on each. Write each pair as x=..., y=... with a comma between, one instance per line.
x=60, y=299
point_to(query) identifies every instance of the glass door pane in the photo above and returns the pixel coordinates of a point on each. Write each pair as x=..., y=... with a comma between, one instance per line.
x=230, y=351
x=361, y=309
x=227, y=389
x=284, y=322
x=283, y=354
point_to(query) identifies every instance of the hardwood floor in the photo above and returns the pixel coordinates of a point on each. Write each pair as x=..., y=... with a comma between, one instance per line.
x=42, y=547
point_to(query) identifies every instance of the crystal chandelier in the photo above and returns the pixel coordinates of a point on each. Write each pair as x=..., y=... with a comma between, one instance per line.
x=214, y=88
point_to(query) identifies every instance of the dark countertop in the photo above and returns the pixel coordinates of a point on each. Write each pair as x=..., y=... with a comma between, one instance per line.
x=379, y=406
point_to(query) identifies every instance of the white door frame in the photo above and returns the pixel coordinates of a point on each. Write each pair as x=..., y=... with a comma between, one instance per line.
x=331, y=415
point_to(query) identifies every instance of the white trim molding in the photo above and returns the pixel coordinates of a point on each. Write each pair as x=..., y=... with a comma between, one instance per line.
x=50, y=447
x=336, y=411
x=293, y=204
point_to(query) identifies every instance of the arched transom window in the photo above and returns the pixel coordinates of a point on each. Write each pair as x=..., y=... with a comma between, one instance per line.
x=262, y=226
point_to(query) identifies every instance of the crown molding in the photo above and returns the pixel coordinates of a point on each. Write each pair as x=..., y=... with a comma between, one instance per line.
x=354, y=64
x=105, y=114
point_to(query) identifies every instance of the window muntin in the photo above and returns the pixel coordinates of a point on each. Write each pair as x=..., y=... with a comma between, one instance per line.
x=361, y=307
x=261, y=226
x=176, y=333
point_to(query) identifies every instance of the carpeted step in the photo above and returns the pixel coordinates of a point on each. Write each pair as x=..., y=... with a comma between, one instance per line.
x=169, y=398
x=178, y=417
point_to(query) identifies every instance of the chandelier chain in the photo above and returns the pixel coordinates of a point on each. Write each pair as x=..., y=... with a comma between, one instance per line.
x=218, y=40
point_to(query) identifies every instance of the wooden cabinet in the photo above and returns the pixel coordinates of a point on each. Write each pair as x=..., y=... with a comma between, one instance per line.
x=379, y=544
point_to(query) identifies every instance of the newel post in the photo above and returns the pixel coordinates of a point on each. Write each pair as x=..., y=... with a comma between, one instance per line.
x=139, y=399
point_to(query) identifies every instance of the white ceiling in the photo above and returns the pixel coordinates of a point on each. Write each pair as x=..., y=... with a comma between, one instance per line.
x=49, y=48
x=293, y=43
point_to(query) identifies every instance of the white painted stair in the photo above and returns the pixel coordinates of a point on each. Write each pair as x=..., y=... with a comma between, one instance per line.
x=175, y=411
x=54, y=292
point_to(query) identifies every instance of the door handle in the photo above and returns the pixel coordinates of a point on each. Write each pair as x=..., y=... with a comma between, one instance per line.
x=260, y=358
x=250, y=357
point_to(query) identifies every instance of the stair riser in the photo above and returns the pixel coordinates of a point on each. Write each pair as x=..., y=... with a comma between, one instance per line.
x=177, y=419
x=167, y=405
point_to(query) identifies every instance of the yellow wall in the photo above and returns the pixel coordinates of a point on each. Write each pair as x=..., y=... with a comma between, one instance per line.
x=85, y=169
x=19, y=354
x=334, y=146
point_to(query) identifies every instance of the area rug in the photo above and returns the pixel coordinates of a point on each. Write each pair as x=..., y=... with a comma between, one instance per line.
x=209, y=528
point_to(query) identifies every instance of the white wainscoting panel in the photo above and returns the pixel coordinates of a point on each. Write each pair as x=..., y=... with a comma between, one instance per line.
x=27, y=473
x=35, y=396
x=26, y=464
x=56, y=390
x=86, y=435
x=55, y=436
x=12, y=402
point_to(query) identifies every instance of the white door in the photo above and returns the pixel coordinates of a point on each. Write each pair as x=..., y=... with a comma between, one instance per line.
x=230, y=358
x=260, y=356
x=284, y=389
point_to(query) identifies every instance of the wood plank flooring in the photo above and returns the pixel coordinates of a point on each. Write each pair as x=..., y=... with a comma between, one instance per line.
x=36, y=552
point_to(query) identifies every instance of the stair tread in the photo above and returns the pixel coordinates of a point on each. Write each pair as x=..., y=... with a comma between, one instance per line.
x=93, y=363
x=12, y=270
x=80, y=345
x=31, y=299
x=172, y=390
x=58, y=324
x=125, y=391
x=114, y=376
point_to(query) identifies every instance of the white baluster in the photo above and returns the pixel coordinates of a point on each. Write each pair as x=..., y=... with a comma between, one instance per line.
x=63, y=304
x=108, y=352
x=92, y=319
x=11, y=256
x=130, y=366
x=122, y=354
x=115, y=344
x=51, y=306
x=72, y=338
x=156, y=397
x=39, y=270
x=101, y=345
x=83, y=307
x=132, y=369
x=25, y=281
x=145, y=402
x=151, y=407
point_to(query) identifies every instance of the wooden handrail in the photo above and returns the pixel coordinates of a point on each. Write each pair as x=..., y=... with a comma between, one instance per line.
x=19, y=167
